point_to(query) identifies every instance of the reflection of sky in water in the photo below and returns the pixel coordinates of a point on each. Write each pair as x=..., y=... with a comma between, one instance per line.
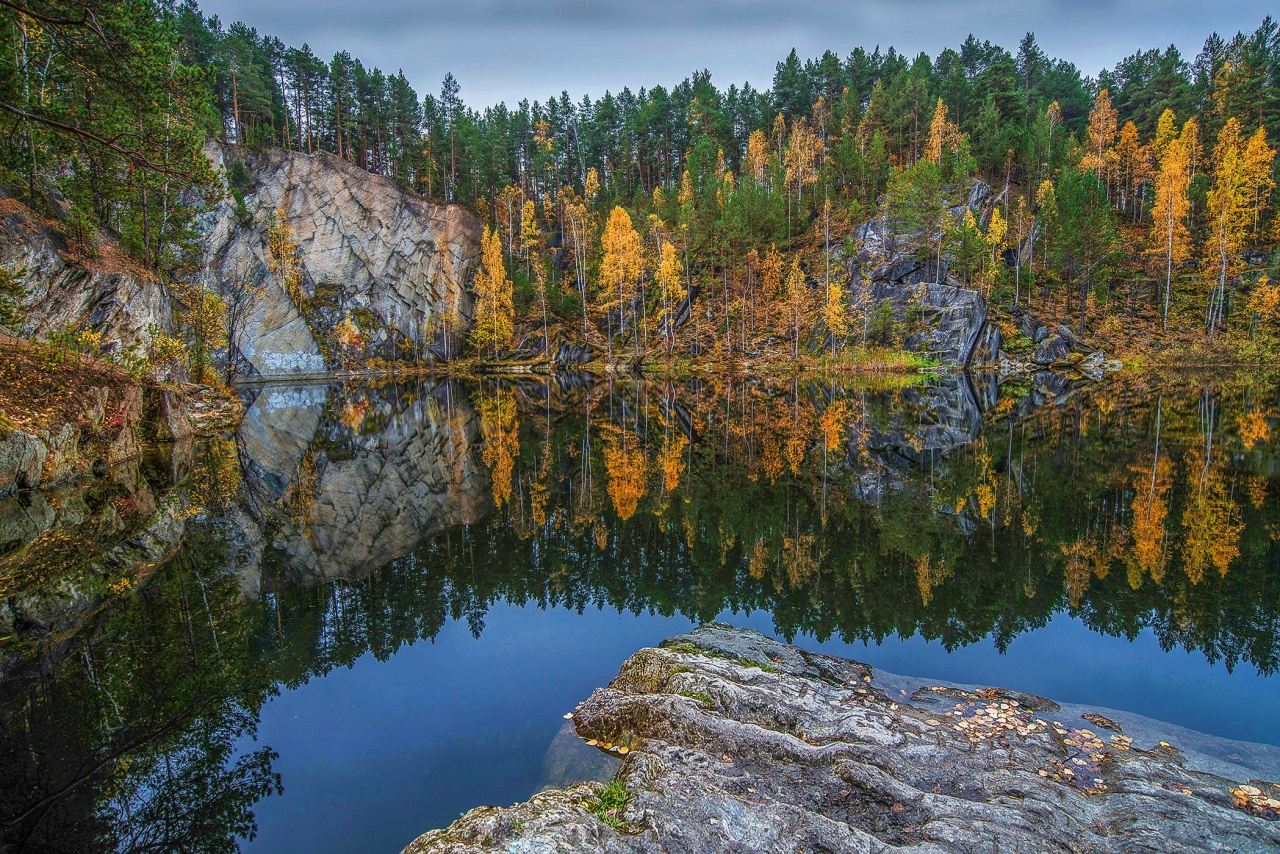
x=374, y=755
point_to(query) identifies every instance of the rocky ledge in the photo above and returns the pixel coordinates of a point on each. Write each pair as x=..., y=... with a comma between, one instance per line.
x=732, y=741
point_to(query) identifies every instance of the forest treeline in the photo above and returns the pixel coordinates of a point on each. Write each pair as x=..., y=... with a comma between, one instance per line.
x=1144, y=190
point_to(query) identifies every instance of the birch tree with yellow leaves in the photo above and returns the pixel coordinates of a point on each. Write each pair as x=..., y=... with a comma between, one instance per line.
x=1100, y=158
x=1241, y=175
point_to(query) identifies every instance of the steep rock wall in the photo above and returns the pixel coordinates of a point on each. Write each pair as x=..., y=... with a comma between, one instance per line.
x=108, y=293
x=369, y=249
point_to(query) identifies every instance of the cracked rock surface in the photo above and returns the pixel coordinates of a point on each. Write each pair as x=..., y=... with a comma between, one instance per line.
x=736, y=742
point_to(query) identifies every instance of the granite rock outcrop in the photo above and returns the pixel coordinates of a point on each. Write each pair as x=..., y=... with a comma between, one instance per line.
x=369, y=251
x=732, y=741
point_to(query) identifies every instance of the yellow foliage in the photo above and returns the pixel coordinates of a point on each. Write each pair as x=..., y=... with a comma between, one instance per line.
x=529, y=234
x=1211, y=523
x=495, y=311
x=672, y=460
x=500, y=429
x=626, y=468
x=621, y=261
x=997, y=229
x=756, y=164
x=1254, y=429
x=283, y=261
x=347, y=335
x=1168, y=235
x=1150, y=511
x=986, y=500
x=943, y=134
x=353, y=413
x=929, y=574
x=803, y=151
x=835, y=424
x=166, y=350
x=88, y=341
x=759, y=560
x=800, y=558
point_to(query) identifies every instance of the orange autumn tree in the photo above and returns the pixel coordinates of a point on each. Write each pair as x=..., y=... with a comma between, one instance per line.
x=501, y=433
x=1133, y=169
x=796, y=293
x=668, y=276
x=495, y=312
x=943, y=134
x=1211, y=522
x=625, y=464
x=1241, y=183
x=620, y=267
x=1100, y=158
x=1258, y=157
x=1168, y=234
x=671, y=459
x=1149, y=555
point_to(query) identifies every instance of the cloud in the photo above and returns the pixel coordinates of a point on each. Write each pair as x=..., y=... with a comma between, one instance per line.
x=506, y=50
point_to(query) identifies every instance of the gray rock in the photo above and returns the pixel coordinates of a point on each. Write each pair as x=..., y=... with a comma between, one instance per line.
x=737, y=742
x=22, y=458
x=393, y=488
x=390, y=256
x=109, y=294
x=1030, y=325
x=1052, y=350
x=953, y=318
x=1092, y=365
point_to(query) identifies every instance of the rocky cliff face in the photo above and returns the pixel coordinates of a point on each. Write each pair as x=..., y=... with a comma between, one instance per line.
x=732, y=741
x=108, y=293
x=392, y=261
x=327, y=501
x=951, y=321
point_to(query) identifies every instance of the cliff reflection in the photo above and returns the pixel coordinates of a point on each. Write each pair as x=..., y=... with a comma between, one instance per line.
x=343, y=521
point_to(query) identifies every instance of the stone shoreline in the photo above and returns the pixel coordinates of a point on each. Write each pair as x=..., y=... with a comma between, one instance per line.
x=732, y=741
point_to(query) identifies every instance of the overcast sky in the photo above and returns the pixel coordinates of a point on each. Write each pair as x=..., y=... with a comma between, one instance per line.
x=506, y=50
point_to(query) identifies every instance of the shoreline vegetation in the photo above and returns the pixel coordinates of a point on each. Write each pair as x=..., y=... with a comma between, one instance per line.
x=741, y=228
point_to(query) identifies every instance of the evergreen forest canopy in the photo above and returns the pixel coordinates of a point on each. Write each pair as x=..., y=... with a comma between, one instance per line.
x=1154, y=178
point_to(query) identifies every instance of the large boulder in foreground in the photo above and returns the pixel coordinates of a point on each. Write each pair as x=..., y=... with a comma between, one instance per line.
x=736, y=742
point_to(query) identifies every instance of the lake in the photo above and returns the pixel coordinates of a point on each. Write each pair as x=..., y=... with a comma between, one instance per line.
x=368, y=609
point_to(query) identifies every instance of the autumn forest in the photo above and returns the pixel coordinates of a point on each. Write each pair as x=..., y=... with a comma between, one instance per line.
x=708, y=221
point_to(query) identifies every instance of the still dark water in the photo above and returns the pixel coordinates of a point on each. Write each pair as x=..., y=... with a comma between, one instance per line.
x=368, y=609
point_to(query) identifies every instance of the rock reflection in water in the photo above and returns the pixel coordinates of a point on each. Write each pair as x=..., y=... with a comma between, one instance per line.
x=172, y=599
x=341, y=496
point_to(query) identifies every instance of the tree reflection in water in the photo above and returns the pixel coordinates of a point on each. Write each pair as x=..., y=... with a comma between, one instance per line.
x=150, y=617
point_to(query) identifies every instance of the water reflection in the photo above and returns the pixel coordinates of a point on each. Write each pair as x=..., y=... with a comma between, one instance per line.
x=149, y=616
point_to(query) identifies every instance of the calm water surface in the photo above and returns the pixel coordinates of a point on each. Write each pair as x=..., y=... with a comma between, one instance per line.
x=368, y=609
